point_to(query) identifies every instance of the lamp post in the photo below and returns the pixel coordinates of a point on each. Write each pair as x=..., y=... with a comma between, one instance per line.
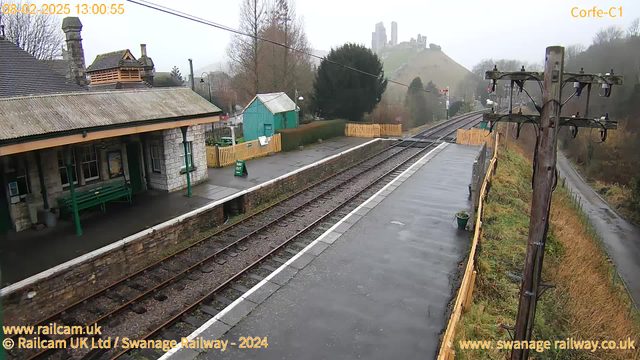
x=301, y=98
x=208, y=80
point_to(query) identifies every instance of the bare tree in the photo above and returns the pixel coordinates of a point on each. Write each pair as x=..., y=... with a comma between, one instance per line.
x=572, y=52
x=610, y=34
x=634, y=28
x=289, y=68
x=244, y=51
x=39, y=35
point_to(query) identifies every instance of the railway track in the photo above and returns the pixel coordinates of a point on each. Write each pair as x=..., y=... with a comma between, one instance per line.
x=173, y=296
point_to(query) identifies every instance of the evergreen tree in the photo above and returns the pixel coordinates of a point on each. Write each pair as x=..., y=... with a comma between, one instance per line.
x=416, y=102
x=340, y=92
x=176, y=76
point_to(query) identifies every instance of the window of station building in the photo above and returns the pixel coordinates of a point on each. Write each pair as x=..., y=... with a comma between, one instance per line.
x=189, y=154
x=62, y=167
x=90, y=168
x=156, y=158
x=17, y=177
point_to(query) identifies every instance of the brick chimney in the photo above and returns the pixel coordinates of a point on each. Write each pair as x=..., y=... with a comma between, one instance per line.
x=149, y=70
x=72, y=28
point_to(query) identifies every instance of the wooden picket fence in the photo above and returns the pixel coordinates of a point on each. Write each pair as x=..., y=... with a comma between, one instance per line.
x=474, y=136
x=225, y=156
x=372, y=130
x=465, y=293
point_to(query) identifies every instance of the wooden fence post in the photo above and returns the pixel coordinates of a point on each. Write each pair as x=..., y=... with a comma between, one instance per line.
x=217, y=155
x=469, y=297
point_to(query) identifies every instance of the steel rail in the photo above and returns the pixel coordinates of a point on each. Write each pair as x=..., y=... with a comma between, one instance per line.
x=120, y=281
x=184, y=272
x=223, y=286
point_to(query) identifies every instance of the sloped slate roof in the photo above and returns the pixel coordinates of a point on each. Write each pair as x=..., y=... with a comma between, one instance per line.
x=21, y=74
x=113, y=60
x=46, y=114
x=276, y=102
x=62, y=67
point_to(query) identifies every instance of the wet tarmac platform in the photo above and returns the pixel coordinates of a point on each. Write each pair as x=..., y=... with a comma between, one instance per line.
x=376, y=285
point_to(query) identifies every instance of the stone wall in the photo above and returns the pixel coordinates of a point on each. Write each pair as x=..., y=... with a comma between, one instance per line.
x=477, y=178
x=52, y=181
x=92, y=273
x=308, y=176
x=157, y=180
x=172, y=176
x=174, y=164
x=59, y=287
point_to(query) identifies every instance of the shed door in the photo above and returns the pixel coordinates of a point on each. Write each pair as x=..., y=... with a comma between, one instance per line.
x=268, y=130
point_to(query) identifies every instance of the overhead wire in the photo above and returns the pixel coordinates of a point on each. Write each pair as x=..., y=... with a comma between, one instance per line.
x=186, y=16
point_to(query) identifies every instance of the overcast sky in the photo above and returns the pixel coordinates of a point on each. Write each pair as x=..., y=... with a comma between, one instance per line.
x=468, y=31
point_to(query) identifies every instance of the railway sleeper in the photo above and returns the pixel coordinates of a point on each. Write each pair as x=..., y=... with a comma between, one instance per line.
x=194, y=321
x=94, y=354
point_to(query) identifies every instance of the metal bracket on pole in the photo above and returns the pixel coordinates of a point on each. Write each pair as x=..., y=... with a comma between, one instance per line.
x=596, y=123
x=545, y=287
x=509, y=329
x=514, y=277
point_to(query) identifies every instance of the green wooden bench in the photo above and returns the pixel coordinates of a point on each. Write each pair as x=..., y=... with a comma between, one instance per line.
x=98, y=195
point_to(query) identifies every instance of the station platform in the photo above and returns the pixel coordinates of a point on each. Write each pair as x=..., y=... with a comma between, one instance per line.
x=30, y=252
x=376, y=285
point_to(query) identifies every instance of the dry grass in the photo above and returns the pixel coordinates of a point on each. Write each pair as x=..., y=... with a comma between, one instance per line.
x=585, y=305
x=597, y=308
x=620, y=197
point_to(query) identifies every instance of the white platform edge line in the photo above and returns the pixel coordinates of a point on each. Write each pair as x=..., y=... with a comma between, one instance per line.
x=257, y=286
x=121, y=243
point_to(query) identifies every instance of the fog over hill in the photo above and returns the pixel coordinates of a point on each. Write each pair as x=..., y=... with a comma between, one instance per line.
x=404, y=62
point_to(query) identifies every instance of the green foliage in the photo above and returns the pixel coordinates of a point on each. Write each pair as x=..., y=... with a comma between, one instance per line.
x=455, y=107
x=501, y=251
x=416, y=102
x=168, y=79
x=467, y=106
x=310, y=133
x=343, y=93
x=395, y=59
x=176, y=76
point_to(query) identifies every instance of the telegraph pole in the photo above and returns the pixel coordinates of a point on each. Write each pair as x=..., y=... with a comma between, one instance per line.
x=543, y=182
x=547, y=125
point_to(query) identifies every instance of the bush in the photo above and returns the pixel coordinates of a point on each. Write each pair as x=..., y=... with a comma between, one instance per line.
x=310, y=133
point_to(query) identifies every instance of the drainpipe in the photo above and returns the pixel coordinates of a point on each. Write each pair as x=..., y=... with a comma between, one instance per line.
x=145, y=155
x=186, y=158
x=193, y=85
x=42, y=184
x=72, y=190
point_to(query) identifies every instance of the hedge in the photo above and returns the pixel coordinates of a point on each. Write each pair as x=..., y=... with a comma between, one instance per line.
x=310, y=133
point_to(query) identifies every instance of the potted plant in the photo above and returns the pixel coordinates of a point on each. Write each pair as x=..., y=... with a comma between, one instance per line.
x=462, y=217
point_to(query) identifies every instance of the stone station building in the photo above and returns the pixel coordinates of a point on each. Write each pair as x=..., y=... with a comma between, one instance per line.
x=59, y=136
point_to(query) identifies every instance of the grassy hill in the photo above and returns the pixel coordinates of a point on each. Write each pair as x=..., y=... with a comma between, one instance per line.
x=402, y=64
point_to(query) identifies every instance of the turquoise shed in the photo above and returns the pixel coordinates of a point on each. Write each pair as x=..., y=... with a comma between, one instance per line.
x=268, y=113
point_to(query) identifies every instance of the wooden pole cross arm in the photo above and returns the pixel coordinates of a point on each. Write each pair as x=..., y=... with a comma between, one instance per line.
x=592, y=78
x=513, y=75
x=595, y=123
x=566, y=77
